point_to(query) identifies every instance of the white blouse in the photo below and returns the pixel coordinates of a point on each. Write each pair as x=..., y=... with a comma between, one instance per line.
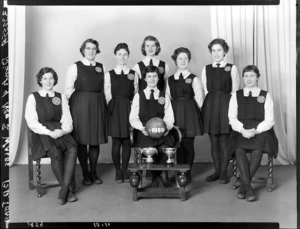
x=134, y=118
x=234, y=76
x=72, y=76
x=31, y=115
x=196, y=85
x=107, y=81
x=268, y=121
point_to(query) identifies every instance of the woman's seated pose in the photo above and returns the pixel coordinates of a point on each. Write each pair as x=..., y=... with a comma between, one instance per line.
x=48, y=117
x=251, y=118
x=147, y=104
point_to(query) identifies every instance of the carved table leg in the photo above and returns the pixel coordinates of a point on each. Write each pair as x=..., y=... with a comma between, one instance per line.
x=134, y=182
x=182, y=181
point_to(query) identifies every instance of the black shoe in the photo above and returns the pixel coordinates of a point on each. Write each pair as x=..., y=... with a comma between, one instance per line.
x=72, y=197
x=212, y=177
x=86, y=179
x=249, y=194
x=119, y=177
x=126, y=176
x=188, y=177
x=95, y=179
x=241, y=193
x=63, y=196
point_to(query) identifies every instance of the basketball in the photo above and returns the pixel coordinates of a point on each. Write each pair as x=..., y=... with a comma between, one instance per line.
x=156, y=127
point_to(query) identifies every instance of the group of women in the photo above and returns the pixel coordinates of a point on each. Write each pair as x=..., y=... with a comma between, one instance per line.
x=97, y=103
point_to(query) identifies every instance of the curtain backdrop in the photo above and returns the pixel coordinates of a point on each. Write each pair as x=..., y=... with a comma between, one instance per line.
x=266, y=37
x=16, y=55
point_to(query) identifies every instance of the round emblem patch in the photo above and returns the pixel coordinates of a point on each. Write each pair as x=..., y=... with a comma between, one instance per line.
x=98, y=69
x=261, y=99
x=130, y=76
x=227, y=68
x=188, y=80
x=161, y=100
x=56, y=100
x=161, y=70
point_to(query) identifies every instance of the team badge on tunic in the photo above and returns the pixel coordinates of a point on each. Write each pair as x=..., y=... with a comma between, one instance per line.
x=227, y=68
x=261, y=99
x=98, y=69
x=161, y=70
x=161, y=100
x=56, y=100
x=188, y=80
x=130, y=76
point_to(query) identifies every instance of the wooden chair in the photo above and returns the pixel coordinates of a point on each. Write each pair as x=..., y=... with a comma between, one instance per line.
x=39, y=186
x=269, y=178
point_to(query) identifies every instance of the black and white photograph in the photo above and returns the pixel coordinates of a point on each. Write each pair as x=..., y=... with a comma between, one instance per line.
x=149, y=113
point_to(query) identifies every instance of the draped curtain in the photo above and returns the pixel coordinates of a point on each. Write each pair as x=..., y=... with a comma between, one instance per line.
x=266, y=37
x=16, y=55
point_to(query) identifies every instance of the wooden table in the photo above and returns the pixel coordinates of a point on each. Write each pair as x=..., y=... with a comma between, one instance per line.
x=136, y=178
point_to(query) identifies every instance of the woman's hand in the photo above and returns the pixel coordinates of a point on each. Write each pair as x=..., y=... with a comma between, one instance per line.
x=247, y=133
x=144, y=131
x=57, y=133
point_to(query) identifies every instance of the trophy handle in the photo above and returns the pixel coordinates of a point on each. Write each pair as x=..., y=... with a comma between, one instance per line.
x=164, y=150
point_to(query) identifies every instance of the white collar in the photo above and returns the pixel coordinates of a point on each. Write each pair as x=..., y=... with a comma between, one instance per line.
x=87, y=62
x=185, y=73
x=43, y=93
x=147, y=60
x=222, y=64
x=118, y=69
x=254, y=91
x=148, y=89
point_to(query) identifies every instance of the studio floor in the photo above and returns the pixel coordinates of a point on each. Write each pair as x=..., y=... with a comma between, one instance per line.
x=111, y=202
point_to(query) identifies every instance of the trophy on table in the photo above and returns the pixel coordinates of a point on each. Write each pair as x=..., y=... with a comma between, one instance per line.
x=170, y=153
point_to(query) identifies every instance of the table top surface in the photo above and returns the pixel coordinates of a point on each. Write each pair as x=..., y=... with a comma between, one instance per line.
x=135, y=167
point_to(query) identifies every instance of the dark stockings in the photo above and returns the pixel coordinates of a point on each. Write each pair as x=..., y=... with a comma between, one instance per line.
x=115, y=153
x=83, y=159
x=220, y=157
x=247, y=168
x=186, y=154
x=94, y=152
x=63, y=169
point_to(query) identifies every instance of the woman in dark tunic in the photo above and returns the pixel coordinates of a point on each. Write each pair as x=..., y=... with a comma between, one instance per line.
x=147, y=104
x=186, y=92
x=219, y=80
x=48, y=117
x=85, y=89
x=150, y=49
x=120, y=85
x=251, y=118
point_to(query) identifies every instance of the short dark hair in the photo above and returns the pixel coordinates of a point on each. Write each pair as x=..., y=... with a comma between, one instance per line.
x=149, y=69
x=157, y=44
x=181, y=50
x=251, y=68
x=82, y=47
x=42, y=72
x=219, y=41
x=121, y=46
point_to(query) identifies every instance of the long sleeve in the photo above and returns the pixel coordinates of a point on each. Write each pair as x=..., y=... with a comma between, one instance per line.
x=268, y=122
x=66, y=119
x=107, y=87
x=70, y=80
x=203, y=80
x=169, y=114
x=168, y=91
x=134, y=118
x=167, y=71
x=236, y=125
x=235, y=78
x=198, y=90
x=136, y=83
x=137, y=69
x=32, y=117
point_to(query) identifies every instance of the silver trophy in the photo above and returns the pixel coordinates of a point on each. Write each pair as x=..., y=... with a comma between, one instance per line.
x=170, y=153
x=149, y=152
